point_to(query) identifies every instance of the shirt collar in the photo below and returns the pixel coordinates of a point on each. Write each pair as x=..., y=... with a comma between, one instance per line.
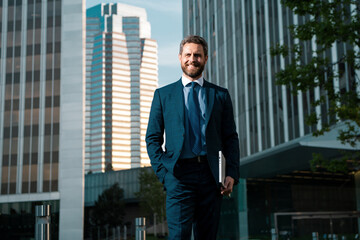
x=185, y=80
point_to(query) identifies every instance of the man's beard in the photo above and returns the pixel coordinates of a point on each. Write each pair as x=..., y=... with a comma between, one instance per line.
x=193, y=74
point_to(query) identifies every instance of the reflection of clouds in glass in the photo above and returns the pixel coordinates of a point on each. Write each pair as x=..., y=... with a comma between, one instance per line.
x=166, y=6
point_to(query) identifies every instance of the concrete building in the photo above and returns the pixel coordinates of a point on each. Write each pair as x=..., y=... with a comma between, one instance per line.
x=121, y=76
x=42, y=106
x=276, y=144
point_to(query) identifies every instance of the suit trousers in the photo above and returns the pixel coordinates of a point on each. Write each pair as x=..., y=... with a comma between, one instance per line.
x=193, y=201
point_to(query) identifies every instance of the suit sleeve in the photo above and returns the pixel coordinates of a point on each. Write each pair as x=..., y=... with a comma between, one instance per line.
x=155, y=137
x=230, y=140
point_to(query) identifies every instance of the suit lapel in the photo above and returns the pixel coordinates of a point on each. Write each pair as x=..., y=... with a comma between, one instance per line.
x=210, y=96
x=178, y=103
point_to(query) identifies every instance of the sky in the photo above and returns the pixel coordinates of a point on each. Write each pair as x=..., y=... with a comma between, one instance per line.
x=165, y=17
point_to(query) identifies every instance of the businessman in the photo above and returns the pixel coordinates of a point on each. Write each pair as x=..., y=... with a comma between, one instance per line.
x=197, y=119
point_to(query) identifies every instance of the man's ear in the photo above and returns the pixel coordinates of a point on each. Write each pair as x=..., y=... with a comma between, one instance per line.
x=179, y=56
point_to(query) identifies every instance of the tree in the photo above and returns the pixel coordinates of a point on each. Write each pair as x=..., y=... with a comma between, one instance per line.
x=110, y=207
x=152, y=195
x=109, y=167
x=326, y=23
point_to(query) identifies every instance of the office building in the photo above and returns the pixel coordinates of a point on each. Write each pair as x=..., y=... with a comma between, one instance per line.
x=42, y=120
x=276, y=145
x=121, y=76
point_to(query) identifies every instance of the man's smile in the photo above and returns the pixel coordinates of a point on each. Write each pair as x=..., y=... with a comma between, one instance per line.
x=193, y=65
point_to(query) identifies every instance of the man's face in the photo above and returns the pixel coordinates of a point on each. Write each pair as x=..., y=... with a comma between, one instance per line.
x=193, y=60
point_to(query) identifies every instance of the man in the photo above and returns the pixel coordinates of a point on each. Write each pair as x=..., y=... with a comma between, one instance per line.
x=198, y=121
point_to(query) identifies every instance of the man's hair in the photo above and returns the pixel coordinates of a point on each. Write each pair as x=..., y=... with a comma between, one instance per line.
x=194, y=39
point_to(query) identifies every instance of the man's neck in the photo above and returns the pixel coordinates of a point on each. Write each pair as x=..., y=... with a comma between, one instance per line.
x=186, y=79
x=192, y=79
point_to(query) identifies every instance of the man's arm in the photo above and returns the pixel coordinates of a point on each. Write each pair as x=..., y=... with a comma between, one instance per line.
x=230, y=141
x=155, y=137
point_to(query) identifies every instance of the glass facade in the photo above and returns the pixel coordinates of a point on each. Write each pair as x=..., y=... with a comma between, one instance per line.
x=32, y=77
x=122, y=74
x=31, y=119
x=17, y=219
x=240, y=35
x=52, y=97
x=11, y=98
x=276, y=145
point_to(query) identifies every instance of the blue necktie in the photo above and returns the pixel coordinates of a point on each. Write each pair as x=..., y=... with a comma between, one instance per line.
x=194, y=118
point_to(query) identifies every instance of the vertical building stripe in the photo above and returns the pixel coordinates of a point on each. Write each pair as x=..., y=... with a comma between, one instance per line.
x=42, y=97
x=269, y=77
x=22, y=97
x=201, y=30
x=245, y=78
x=257, y=87
x=282, y=66
x=209, y=63
x=194, y=15
x=236, y=77
x=334, y=59
x=186, y=17
x=216, y=42
x=225, y=45
x=2, y=79
x=299, y=93
x=354, y=11
x=317, y=89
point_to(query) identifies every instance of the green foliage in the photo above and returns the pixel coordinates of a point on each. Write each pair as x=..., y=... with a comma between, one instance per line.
x=152, y=195
x=349, y=160
x=333, y=165
x=326, y=23
x=110, y=207
x=109, y=167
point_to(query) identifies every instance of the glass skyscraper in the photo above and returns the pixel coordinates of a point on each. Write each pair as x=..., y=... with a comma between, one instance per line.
x=121, y=76
x=276, y=144
x=42, y=105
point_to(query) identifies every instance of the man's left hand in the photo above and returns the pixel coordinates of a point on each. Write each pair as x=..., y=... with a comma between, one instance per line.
x=228, y=186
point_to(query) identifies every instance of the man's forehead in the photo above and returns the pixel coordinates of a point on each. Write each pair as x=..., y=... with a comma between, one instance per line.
x=193, y=47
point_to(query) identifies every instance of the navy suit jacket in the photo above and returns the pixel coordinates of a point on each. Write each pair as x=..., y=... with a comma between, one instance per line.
x=167, y=115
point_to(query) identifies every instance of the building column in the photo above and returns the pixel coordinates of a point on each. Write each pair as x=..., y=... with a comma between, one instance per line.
x=357, y=194
x=72, y=121
x=243, y=216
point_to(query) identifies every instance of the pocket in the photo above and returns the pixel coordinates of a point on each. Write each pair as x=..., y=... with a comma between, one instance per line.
x=164, y=181
x=169, y=154
x=165, y=176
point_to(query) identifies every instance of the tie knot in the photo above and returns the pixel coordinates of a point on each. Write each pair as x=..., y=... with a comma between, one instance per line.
x=193, y=84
